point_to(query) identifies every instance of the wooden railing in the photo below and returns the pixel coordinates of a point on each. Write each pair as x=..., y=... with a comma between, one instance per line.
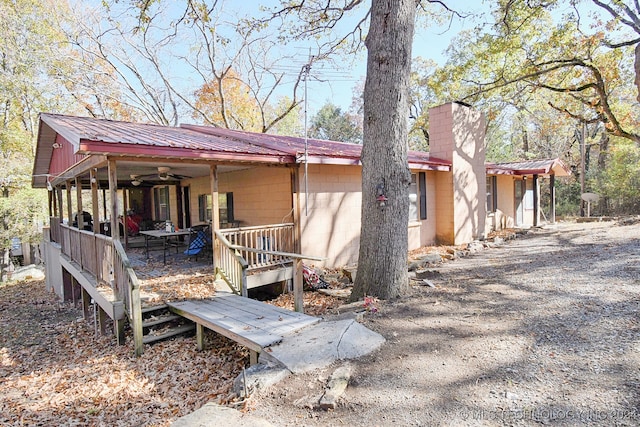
x=127, y=289
x=264, y=238
x=107, y=260
x=54, y=229
x=232, y=265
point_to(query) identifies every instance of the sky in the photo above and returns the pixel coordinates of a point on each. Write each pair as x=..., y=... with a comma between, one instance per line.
x=326, y=83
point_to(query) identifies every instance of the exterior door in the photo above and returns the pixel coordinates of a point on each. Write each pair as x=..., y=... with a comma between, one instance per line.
x=186, y=203
x=519, y=200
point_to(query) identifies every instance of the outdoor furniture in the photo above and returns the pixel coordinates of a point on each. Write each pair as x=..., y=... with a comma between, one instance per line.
x=199, y=241
x=168, y=240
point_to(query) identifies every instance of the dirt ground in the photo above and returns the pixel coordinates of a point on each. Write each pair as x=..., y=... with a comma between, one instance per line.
x=544, y=329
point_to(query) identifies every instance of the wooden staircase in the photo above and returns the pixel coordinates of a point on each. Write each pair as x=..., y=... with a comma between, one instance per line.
x=159, y=323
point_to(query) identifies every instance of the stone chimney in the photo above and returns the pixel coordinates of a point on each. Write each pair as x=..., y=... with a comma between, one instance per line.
x=457, y=134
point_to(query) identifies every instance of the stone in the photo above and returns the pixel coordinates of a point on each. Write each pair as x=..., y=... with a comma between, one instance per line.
x=338, y=293
x=213, y=415
x=335, y=387
x=424, y=260
x=498, y=241
x=29, y=272
x=350, y=272
x=259, y=377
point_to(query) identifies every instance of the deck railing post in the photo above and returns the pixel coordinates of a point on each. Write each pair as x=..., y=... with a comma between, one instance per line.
x=298, y=294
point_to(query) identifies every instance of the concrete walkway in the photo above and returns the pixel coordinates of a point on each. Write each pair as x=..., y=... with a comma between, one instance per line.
x=313, y=347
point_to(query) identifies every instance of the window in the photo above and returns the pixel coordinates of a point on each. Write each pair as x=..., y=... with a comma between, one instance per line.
x=492, y=194
x=161, y=198
x=225, y=207
x=204, y=207
x=413, y=198
x=418, y=196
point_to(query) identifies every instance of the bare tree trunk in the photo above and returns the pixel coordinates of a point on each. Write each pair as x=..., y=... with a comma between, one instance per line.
x=636, y=67
x=382, y=263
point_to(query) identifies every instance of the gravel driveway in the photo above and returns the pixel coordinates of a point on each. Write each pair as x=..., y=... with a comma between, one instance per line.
x=541, y=330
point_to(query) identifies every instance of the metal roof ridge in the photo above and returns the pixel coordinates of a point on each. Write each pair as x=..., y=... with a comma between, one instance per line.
x=229, y=133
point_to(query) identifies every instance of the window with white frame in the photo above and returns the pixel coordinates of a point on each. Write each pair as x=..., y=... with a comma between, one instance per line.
x=418, y=197
x=161, y=203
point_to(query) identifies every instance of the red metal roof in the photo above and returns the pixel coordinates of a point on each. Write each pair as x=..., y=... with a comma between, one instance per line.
x=318, y=150
x=100, y=136
x=529, y=167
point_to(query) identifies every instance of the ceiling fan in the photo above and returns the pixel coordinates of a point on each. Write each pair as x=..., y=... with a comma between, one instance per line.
x=164, y=174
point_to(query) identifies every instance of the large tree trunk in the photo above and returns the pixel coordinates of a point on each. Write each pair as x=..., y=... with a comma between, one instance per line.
x=382, y=263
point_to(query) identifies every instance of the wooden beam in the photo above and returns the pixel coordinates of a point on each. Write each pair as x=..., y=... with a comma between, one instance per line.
x=215, y=212
x=298, y=292
x=95, y=210
x=60, y=207
x=82, y=167
x=552, y=190
x=113, y=195
x=69, y=207
x=536, y=201
x=125, y=203
x=79, y=216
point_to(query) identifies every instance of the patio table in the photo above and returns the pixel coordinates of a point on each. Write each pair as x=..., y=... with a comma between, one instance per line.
x=165, y=236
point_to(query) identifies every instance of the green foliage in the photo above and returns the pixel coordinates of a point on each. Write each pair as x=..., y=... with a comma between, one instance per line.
x=619, y=184
x=23, y=213
x=332, y=124
x=568, y=197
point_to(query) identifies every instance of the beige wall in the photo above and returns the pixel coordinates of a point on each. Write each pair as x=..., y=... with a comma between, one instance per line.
x=331, y=224
x=504, y=217
x=261, y=195
x=330, y=215
x=457, y=135
x=427, y=228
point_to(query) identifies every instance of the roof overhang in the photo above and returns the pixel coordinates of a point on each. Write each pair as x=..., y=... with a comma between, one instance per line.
x=554, y=167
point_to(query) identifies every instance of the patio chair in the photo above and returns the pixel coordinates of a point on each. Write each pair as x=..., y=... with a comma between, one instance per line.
x=199, y=241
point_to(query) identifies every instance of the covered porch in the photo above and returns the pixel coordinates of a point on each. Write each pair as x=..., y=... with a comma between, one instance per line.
x=104, y=195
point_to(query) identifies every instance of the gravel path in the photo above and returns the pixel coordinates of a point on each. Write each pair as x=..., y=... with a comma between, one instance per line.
x=541, y=330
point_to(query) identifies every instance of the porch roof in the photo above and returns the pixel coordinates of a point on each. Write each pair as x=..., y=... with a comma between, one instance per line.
x=529, y=167
x=109, y=137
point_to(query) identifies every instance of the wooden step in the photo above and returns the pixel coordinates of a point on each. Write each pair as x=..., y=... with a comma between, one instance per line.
x=159, y=320
x=154, y=308
x=148, y=339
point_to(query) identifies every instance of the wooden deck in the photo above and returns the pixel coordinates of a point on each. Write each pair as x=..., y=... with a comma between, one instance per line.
x=252, y=323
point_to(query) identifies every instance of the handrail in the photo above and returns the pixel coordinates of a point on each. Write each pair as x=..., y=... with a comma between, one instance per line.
x=270, y=237
x=106, y=259
x=231, y=266
x=131, y=293
x=223, y=266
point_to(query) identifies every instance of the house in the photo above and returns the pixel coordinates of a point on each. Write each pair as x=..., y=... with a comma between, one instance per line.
x=513, y=192
x=271, y=200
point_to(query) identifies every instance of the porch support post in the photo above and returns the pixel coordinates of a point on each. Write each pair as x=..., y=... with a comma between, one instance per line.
x=79, y=216
x=552, y=190
x=69, y=208
x=50, y=199
x=536, y=201
x=298, y=294
x=125, y=204
x=215, y=211
x=95, y=212
x=113, y=196
x=60, y=207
